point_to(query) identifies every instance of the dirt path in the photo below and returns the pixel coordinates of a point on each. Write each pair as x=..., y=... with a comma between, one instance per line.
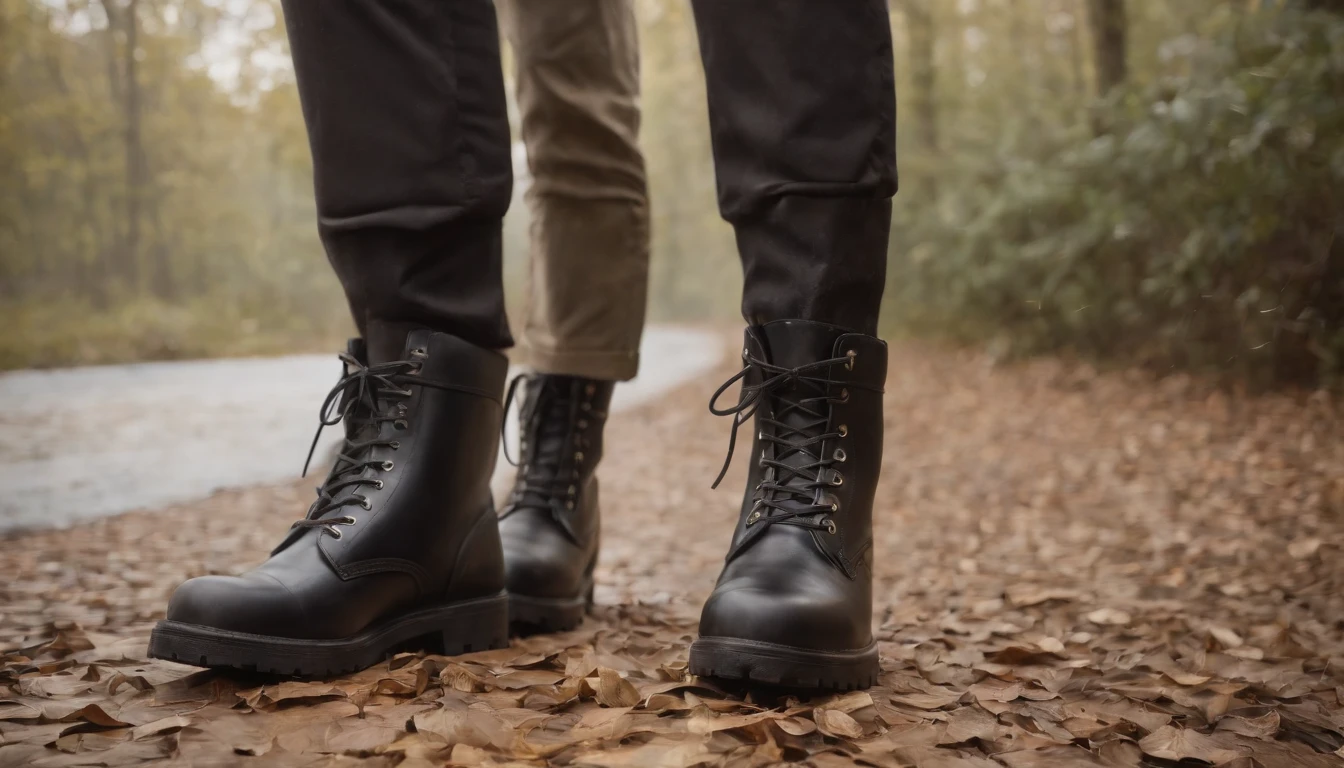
x=1074, y=569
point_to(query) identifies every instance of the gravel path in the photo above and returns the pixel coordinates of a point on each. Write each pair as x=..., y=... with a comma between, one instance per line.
x=81, y=443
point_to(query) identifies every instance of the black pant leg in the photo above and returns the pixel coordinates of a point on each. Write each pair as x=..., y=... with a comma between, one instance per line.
x=802, y=113
x=404, y=104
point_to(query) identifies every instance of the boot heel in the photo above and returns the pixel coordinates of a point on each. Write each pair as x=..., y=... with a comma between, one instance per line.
x=481, y=626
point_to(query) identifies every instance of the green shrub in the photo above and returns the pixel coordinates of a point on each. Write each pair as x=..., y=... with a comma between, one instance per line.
x=1198, y=225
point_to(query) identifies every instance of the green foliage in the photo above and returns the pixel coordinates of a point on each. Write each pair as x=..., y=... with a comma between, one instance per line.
x=217, y=224
x=1197, y=225
x=73, y=332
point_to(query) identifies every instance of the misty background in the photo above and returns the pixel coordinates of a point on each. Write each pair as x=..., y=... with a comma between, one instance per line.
x=1152, y=183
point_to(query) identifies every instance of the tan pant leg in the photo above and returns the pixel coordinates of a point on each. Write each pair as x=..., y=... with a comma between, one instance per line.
x=578, y=90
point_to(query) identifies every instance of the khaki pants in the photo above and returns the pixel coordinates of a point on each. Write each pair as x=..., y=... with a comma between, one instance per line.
x=578, y=91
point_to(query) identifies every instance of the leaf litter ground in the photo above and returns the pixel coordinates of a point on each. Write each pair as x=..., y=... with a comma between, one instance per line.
x=1072, y=569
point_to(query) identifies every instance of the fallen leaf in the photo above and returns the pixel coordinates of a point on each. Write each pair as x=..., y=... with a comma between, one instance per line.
x=833, y=722
x=1172, y=743
x=615, y=691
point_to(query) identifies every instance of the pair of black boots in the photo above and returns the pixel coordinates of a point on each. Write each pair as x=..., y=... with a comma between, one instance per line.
x=403, y=548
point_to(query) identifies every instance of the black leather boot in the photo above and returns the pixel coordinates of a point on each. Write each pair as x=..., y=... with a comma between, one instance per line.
x=793, y=606
x=550, y=526
x=401, y=548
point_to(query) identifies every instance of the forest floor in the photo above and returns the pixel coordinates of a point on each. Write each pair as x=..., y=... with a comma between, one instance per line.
x=1073, y=568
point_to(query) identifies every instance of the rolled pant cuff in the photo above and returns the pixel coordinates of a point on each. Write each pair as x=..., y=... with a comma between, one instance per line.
x=591, y=364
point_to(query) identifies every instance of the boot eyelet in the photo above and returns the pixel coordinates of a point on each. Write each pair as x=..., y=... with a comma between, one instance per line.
x=744, y=353
x=852, y=355
x=569, y=505
x=578, y=455
x=335, y=532
x=349, y=520
x=586, y=407
x=395, y=445
x=401, y=424
x=365, y=503
x=830, y=526
x=840, y=455
x=583, y=423
x=844, y=395
x=573, y=489
x=835, y=506
x=837, y=479
x=378, y=485
x=387, y=466
x=843, y=430
x=753, y=517
x=419, y=352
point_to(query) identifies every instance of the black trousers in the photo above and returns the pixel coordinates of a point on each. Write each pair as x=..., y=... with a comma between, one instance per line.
x=405, y=109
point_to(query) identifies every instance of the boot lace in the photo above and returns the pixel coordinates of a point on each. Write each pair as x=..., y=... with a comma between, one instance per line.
x=365, y=398
x=552, y=436
x=793, y=437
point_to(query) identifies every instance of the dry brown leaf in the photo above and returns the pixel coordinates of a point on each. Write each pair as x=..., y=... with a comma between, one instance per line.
x=848, y=703
x=165, y=725
x=1225, y=636
x=833, y=722
x=269, y=695
x=704, y=721
x=612, y=690
x=1109, y=616
x=796, y=726
x=1171, y=743
x=1256, y=722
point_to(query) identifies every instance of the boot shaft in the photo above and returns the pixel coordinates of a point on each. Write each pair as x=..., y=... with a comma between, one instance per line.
x=561, y=425
x=838, y=429
x=431, y=460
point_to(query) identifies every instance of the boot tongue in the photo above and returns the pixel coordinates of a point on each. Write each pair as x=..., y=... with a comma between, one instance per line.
x=552, y=430
x=387, y=341
x=791, y=344
x=358, y=349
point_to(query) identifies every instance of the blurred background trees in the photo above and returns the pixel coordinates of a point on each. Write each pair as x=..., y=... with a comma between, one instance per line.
x=1151, y=183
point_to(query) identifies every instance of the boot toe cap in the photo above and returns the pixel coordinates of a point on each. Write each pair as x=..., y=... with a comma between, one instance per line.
x=794, y=618
x=526, y=573
x=254, y=604
x=539, y=560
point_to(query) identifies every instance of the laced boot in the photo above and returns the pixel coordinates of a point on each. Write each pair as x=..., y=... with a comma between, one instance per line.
x=550, y=525
x=400, y=550
x=793, y=606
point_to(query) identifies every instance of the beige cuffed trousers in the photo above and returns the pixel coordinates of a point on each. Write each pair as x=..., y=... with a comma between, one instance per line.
x=578, y=92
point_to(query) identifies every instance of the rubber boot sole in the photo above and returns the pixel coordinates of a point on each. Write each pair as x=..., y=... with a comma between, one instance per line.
x=541, y=615
x=730, y=658
x=473, y=625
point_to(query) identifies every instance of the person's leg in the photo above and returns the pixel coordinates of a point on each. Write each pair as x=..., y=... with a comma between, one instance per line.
x=802, y=112
x=405, y=109
x=578, y=91
x=802, y=116
x=404, y=105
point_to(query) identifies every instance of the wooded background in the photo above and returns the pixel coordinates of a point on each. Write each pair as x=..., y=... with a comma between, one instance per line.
x=1154, y=183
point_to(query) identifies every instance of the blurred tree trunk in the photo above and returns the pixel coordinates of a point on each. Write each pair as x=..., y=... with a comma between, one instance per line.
x=1110, y=29
x=135, y=149
x=923, y=69
x=1076, y=46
